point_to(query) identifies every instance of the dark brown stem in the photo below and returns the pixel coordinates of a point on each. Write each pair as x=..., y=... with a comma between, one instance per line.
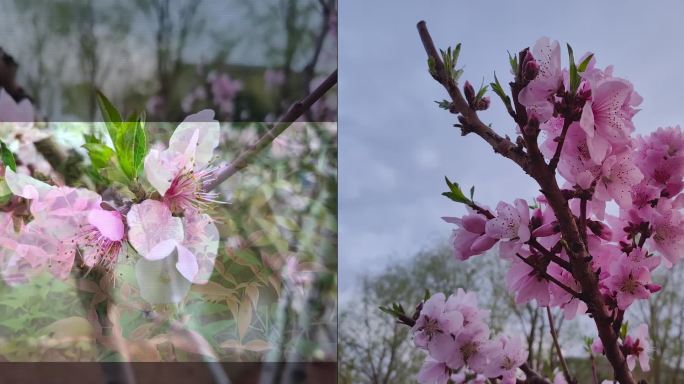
x=533, y=163
x=531, y=377
x=550, y=278
x=551, y=256
x=559, y=148
x=554, y=336
x=296, y=111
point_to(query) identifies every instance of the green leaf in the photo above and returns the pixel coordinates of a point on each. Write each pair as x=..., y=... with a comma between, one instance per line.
x=444, y=104
x=455, y=192
x=472, y=192
x=131, y=146
x=498, y=89
x=574, y=74
x=7, y=157
x=513, y=60
x=583, y=65
x=100, y=154
x=623, y=330
x=481, y=92
x=110, y=115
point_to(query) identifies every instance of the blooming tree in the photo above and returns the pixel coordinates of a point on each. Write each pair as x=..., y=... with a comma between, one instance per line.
x=152, y=208
x=565, y=249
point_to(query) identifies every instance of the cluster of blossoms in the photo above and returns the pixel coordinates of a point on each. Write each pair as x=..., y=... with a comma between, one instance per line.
x=65, y=225
x=456, y=337
x=19, y=133
x=623, y=191
x=222, y=88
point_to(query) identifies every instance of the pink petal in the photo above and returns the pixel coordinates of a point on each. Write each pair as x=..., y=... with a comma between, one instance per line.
x=187, y=263
x=108, y=223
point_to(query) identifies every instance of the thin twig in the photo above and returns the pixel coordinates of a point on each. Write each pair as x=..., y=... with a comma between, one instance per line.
x=551, y=278
x=534, y=164
x=561, y=140
x=293, y=113
x=551, y=256
x=554, y=335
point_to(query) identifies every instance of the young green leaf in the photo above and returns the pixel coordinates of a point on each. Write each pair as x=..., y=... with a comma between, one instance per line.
x=584, y=64
x=99, y=153
x=574, y=74
x=7, y=157
x=131, y=146
x=110, y=115
x=513, y=60
x=455, y=192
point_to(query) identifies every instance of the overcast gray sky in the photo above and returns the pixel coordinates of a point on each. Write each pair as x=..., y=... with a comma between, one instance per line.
x=396, y=146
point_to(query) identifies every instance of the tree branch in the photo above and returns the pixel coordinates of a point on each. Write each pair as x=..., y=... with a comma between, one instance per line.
x=536, y=167
x=554, y=336
x=501, y=145
x=293, y=113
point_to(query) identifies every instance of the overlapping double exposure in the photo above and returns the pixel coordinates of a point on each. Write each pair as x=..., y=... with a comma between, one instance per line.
x=162, y=196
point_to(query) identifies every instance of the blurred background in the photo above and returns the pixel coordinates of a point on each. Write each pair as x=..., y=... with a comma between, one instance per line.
x=273, y=293
x=397, y=146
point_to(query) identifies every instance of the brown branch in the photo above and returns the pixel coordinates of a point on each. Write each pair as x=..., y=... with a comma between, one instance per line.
x=531, y=377
x=293, y=113
x=536, y=167
x=551, y=256
x=561, y=140
x=469, y=116
x=554, y=336
x=551, y=278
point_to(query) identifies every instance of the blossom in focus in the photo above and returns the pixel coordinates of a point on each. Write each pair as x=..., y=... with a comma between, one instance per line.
x=179, y=172
x=432, y=330
x=508, y=353
x=156, y=235
x=469, y=238
x=538, y=95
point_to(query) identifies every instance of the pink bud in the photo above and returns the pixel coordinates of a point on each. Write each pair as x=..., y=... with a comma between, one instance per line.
x=482, y=244
x=653, y=288
x=601, y=230
x=547, y=229
x=597, y=346
x=469, y=92
x=530, y=70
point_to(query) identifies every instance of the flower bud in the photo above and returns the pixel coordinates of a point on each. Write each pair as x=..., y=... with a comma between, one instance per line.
x=469, y=92
x=653, y=288
x=482, y=104
x=530, y=70
x=599, y=229
x=547, y=229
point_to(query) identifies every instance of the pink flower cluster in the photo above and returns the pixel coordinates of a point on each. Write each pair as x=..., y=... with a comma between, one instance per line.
x=635, y=347
x=601, y=164
x=456, y=337
x=171, y=226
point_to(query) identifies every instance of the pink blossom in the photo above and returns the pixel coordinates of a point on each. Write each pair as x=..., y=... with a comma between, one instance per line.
x=433, y=372
x=636, y=347
x=667, y=232
x=618, y=177
x=571, y=305
x=179, y=172
x=470, y=347
x=434, y=327
x=604, y=119
x=224, y=90
x=507, y=354
x=538, y=95
x=629, y=281
x=528, y=283
x=469, y=238
x=511, y=223
x=11, y=111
